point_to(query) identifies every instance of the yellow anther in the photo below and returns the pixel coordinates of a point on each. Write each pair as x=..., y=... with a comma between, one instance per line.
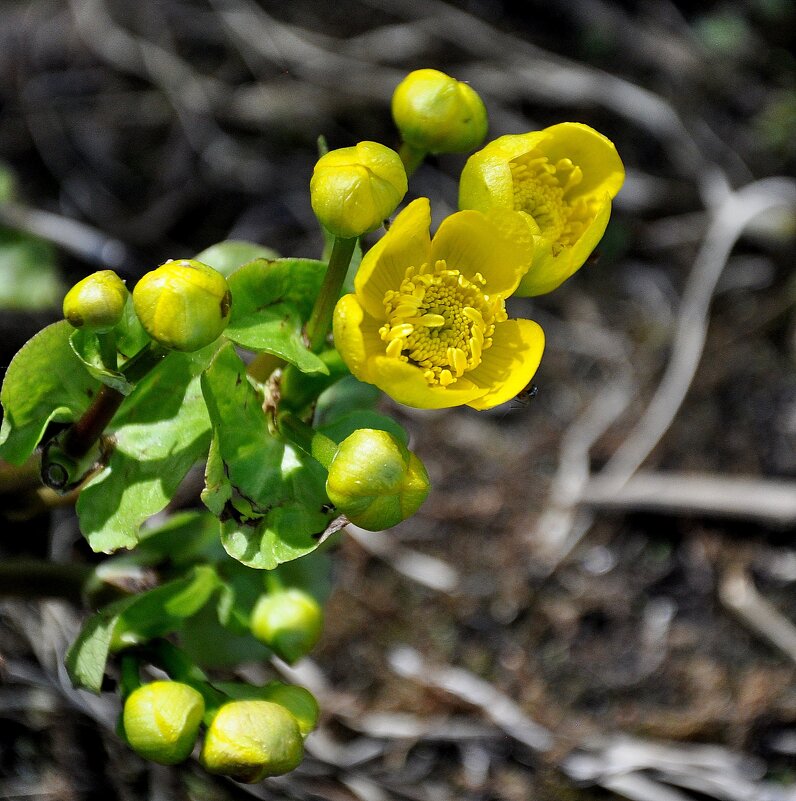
x=394, y=348
x=431, y=321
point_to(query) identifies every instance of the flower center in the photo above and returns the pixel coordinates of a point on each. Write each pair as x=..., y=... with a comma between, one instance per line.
x=541, y=189
x=440, y=321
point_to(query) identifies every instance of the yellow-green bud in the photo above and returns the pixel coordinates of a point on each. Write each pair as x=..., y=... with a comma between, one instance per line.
x=161, y=721
x=299, y=701
x=354, y=189
x=183, y=304
x=375, y=481
x=96, y=302
x=249, y=740
x=438, y=114
x=289, y=622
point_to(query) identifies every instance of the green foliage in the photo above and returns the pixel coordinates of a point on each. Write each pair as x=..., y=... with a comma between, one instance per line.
x=159, y=433
x=269, y=495
x=227, y=256
x=45, y=383
x=31, y=280
x=271, y=300
x=135, y=619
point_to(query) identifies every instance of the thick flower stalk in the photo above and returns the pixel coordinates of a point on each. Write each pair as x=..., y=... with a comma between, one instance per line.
x=562, y=180
x=427, y=323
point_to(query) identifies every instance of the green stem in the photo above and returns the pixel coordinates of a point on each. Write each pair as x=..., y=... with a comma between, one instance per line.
x=411, y=157
x=130, y=679
x=82, y=435
x=303, y=436
x=108, y=354
x=318, y=325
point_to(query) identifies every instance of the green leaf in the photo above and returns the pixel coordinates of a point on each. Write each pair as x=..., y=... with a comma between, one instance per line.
x=271, y=498
x=30, y=278
x=86, y=347
x=45, y=383
x=211, y=645
x=161, y=611
x=271, y=300
x=227, y=256
x=130, y=334
x=343, y=426
x=347, y=395
x=161, y=430
x=86, y=657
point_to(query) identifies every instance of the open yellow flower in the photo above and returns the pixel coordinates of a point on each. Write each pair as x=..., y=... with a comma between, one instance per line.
x=427, y=322
x=562, y=179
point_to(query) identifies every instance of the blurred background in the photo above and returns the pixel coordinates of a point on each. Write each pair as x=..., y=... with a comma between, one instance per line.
x=597, y=601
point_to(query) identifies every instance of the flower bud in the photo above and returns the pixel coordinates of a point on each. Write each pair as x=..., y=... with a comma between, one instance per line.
x=438, y=114
x=183, y=304
x=299, y=701
x=96, y=302
x=249, y=740
x=375, y=481
x=161, y=721
x=354, y=189
x=289, y=622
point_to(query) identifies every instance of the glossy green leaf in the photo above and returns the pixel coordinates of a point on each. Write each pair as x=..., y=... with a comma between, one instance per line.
x=30, y=277
x=160, y=431
x=347, y=395
x=343, y=426
x=271, y=300
x=86, y=658
x=227, y=256
x=161, y=610
x=211, y=645
x=86, y=346
x=45, y=383
x=271, y=499
x=130, y=334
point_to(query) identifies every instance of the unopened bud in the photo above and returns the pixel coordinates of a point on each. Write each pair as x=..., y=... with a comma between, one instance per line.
x=299, y=701
x=289, y=622
x=161, y=721
x=97, y=302
x=438, y=114
x=183, y=305
x=249, y=740
x=354, y=189
x=375, y=481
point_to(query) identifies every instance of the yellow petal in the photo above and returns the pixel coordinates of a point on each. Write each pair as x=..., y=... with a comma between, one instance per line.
x=595, y=154
x=406, y=244
x=356, y=336
x=486, y=180
x=509, y=365
x=498, y=245
x=405, y=383
x=548, y=272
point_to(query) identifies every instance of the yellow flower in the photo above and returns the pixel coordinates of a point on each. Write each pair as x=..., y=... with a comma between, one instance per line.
x=427, y=322
x=562, y=179
x=354, y=189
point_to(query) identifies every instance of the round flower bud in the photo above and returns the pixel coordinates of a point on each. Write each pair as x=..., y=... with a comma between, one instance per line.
x=183, y=304
x=97, y=302
x=161, y=721
x=438, y=114
x=375, y=481
x=354, y=189
x=289, y=622
x=299, y=701
x=249, y=740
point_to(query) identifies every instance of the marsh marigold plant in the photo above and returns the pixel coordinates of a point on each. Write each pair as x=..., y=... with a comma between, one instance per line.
x=427, y=322
x=562, y=180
